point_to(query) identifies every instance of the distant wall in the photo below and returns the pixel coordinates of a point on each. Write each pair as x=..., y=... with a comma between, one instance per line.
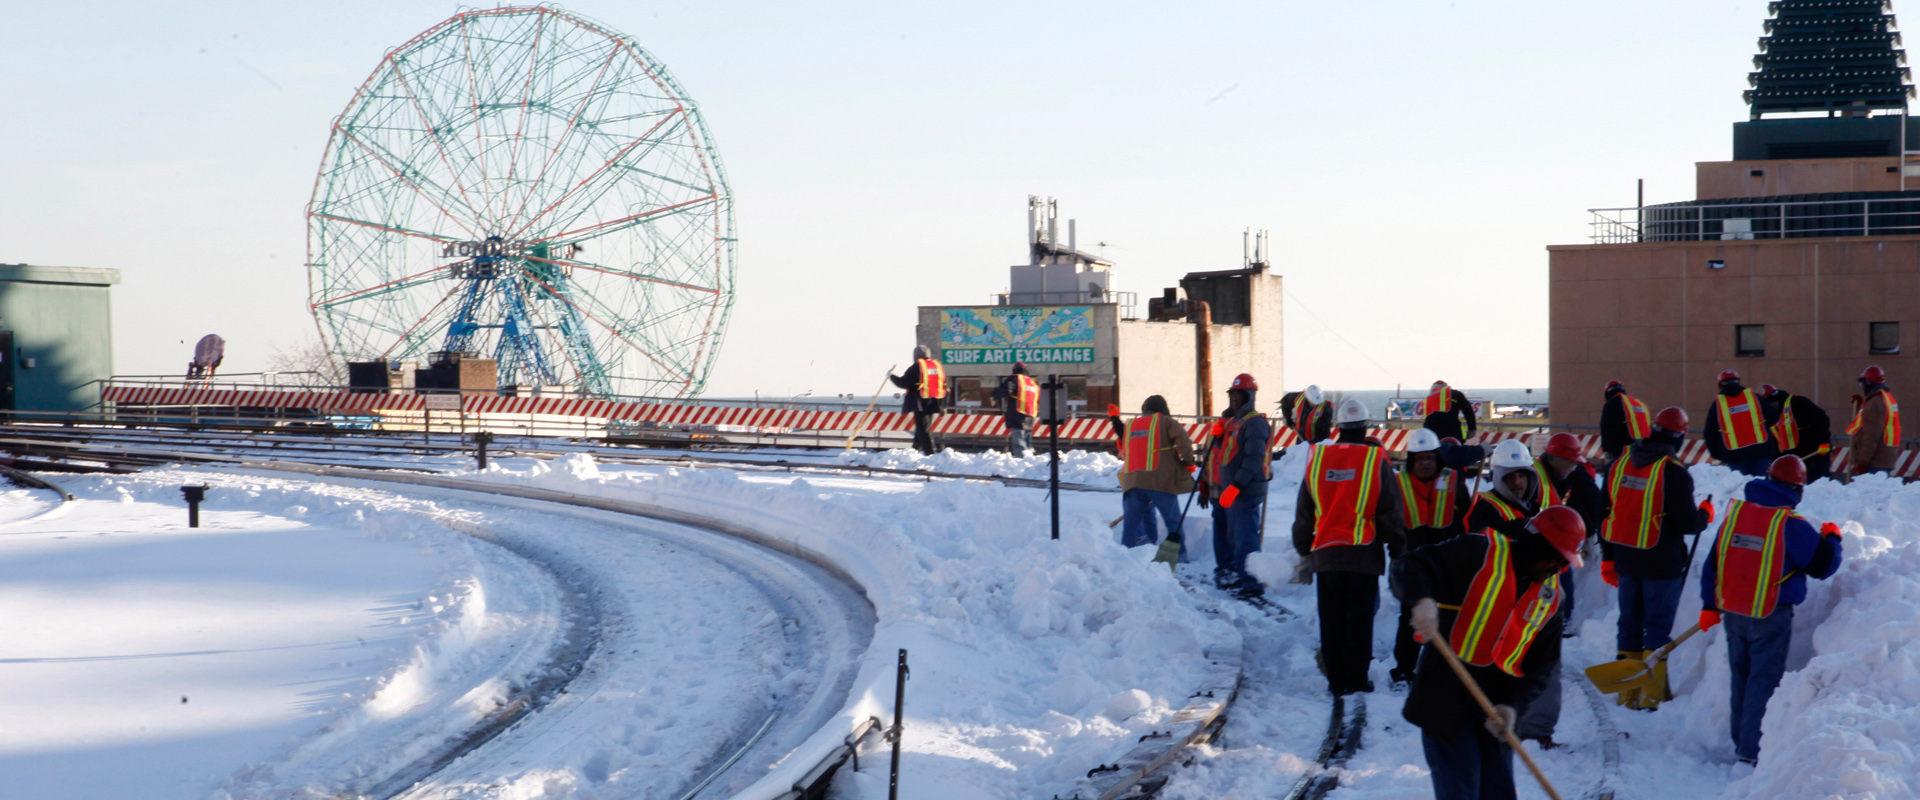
x=61, y=320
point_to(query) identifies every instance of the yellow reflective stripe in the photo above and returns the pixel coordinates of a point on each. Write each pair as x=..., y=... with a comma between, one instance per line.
x=1483, y=606
x=1361, y=519
x=1763, y=588
x=1443, y=499
x=1313, y=473
x=1533, y=619
x=1647, y=512
x=1506, y=511
x=1410, y=506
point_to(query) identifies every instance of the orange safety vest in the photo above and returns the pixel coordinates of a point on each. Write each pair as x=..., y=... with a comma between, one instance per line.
x=1506, y=511
x=1143, y=444
x=1639, y=419
x=1742, y=424
x=1497, y=621
x=1639, y=501
x=933, y=379
x=1750, y=558
x=1548, y=497
x=1787, y=431
x=1345, y=493
x=1028, y=400
x=1891, y=436
x=1305, y=415
x=1440, y=514
x=1227, y=445
x=1439, y=401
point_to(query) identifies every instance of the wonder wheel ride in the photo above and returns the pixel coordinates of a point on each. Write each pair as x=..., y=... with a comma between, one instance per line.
x=525, y=185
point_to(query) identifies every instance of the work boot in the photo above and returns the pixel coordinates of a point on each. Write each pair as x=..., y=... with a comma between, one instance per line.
x=1400, y=678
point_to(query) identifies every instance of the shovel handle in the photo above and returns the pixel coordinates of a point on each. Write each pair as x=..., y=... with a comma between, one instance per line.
x=1486, y=705
x=1661, y=654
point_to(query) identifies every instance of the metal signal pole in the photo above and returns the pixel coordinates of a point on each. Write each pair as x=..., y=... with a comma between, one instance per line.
x=1054, y=387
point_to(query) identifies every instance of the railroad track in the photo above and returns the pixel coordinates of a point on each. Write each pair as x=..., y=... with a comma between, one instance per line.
x=802, y=741
x=1344, y=727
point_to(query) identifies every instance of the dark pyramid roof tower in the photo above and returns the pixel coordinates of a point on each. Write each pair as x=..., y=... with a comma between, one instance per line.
x=1839, y=56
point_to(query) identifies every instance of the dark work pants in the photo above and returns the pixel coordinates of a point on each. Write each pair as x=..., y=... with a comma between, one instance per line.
x=1138, y=505
x=1757, y=652
x=1647, y=606
x=1236, y=531
x=1469, y=764
x=1347, y=603
x=1406, y=652
x=922, y=433
x=1540, y=716
x=1019, y=442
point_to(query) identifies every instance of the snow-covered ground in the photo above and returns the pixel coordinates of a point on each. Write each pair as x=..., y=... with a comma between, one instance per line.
x=1033, y=660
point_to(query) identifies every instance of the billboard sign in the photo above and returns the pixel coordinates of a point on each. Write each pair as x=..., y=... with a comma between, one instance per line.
x=1010, y=334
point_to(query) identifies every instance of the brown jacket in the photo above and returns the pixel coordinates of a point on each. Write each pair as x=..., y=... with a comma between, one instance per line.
x=1170, y=474
x=1869, y=449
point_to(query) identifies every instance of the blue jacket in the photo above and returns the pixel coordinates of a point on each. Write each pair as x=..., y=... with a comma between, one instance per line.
x=1245, y=470
x=1808, y=552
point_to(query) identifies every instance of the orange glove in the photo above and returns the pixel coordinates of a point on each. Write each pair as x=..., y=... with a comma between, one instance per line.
x=1708, y=619
x=1227, y=497
x=1113, y=410
x=1707, y=506
x=1608, y=574
x=1830, y=529
x=1193, y=470
x=1219, y=428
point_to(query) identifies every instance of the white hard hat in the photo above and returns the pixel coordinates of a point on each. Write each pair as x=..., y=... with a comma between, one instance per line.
x=1313, y=395
x=1511, y=454
x=1422, y=440
x=1351, y=411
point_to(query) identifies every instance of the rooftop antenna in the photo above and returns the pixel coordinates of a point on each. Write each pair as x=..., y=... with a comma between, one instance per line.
x=1245, y=255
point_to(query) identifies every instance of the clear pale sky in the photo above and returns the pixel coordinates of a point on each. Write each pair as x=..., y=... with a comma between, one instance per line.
x=1413, y=159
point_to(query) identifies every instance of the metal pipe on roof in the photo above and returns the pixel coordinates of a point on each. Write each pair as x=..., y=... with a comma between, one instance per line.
x=1202, y=316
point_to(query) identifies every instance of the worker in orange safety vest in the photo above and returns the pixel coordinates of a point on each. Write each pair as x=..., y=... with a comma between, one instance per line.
x=1019, y=396
x=1496, y=599
x=1156, y=463
x=926, y=390
x=1739, y=433
x=1876, y=426
x=1234, y=483
x=1346, y=518
x=1756, y=574
x=1623, y=421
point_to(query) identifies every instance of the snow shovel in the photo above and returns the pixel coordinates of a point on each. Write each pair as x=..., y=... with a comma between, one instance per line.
x=1632, y=673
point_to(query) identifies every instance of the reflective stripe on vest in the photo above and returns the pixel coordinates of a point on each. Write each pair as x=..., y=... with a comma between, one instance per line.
x=1143, y=444
x=1028, y=400
x=1639, y=420
x=1891, y=434
x=1341, y=479
x=1439, y=401
x=1306, y=415
x=1507, y=512
x=933, y=379
x=1491, y=627
x=1548, y=496
x=1741, y=422
x=1786, y=431
x=1227, y=446
x=1750, y=558
x=1440, y=514
x=1638, y=495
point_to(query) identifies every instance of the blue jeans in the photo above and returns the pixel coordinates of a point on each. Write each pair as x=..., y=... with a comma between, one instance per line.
x=1020, y=442
x=1236, y=530
x=1757, y=652
x=1138, y=504
x=1469, y=765
x=1647, y=606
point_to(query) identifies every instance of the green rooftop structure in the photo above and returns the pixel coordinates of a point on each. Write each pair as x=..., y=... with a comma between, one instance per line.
x=56, y=336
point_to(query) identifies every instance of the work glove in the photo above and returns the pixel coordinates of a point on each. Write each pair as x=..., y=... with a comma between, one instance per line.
x=1113, y=410
x=1425, y=620
x=1830, y=529
x=1500, y=727
x=1708, y=619
x=1706, y=507
x=1192, y=470
x=1205, y=494
x=1608, y=574
x=1219, y=428
x=1227, y=497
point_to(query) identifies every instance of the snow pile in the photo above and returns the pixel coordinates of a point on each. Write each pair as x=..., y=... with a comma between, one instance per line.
x=1033, y=660
x=1076, y=466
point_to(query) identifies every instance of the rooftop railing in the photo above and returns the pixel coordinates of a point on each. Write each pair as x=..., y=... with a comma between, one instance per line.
x=1714, y=220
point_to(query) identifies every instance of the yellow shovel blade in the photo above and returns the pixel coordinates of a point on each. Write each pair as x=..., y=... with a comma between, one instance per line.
x=1619, y=676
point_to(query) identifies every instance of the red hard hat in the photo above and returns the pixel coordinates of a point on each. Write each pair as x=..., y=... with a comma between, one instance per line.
x=1612, y=385
x=1563, y=529
x=1375, y=441
x=1729, y=375
x=1767, y=389
x=1244, y=381
x=1564, y=445
x=1873, y=375
x=1789, y=469
x=1449, y=440
x=1672, y=419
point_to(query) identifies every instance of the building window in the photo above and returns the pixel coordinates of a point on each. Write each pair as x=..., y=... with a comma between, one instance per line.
x=1749, y=340
x=1883, y=338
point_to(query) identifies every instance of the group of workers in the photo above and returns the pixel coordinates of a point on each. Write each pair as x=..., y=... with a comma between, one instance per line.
x=1484, y=563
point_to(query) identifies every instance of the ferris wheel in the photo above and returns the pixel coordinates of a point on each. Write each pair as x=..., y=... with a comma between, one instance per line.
x=525, y=185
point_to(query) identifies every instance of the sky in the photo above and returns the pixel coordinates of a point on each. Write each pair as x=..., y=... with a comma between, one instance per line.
x=1413, y=159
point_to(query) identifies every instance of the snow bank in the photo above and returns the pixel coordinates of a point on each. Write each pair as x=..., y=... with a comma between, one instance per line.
x=1076, y=466
x=1033, y=660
